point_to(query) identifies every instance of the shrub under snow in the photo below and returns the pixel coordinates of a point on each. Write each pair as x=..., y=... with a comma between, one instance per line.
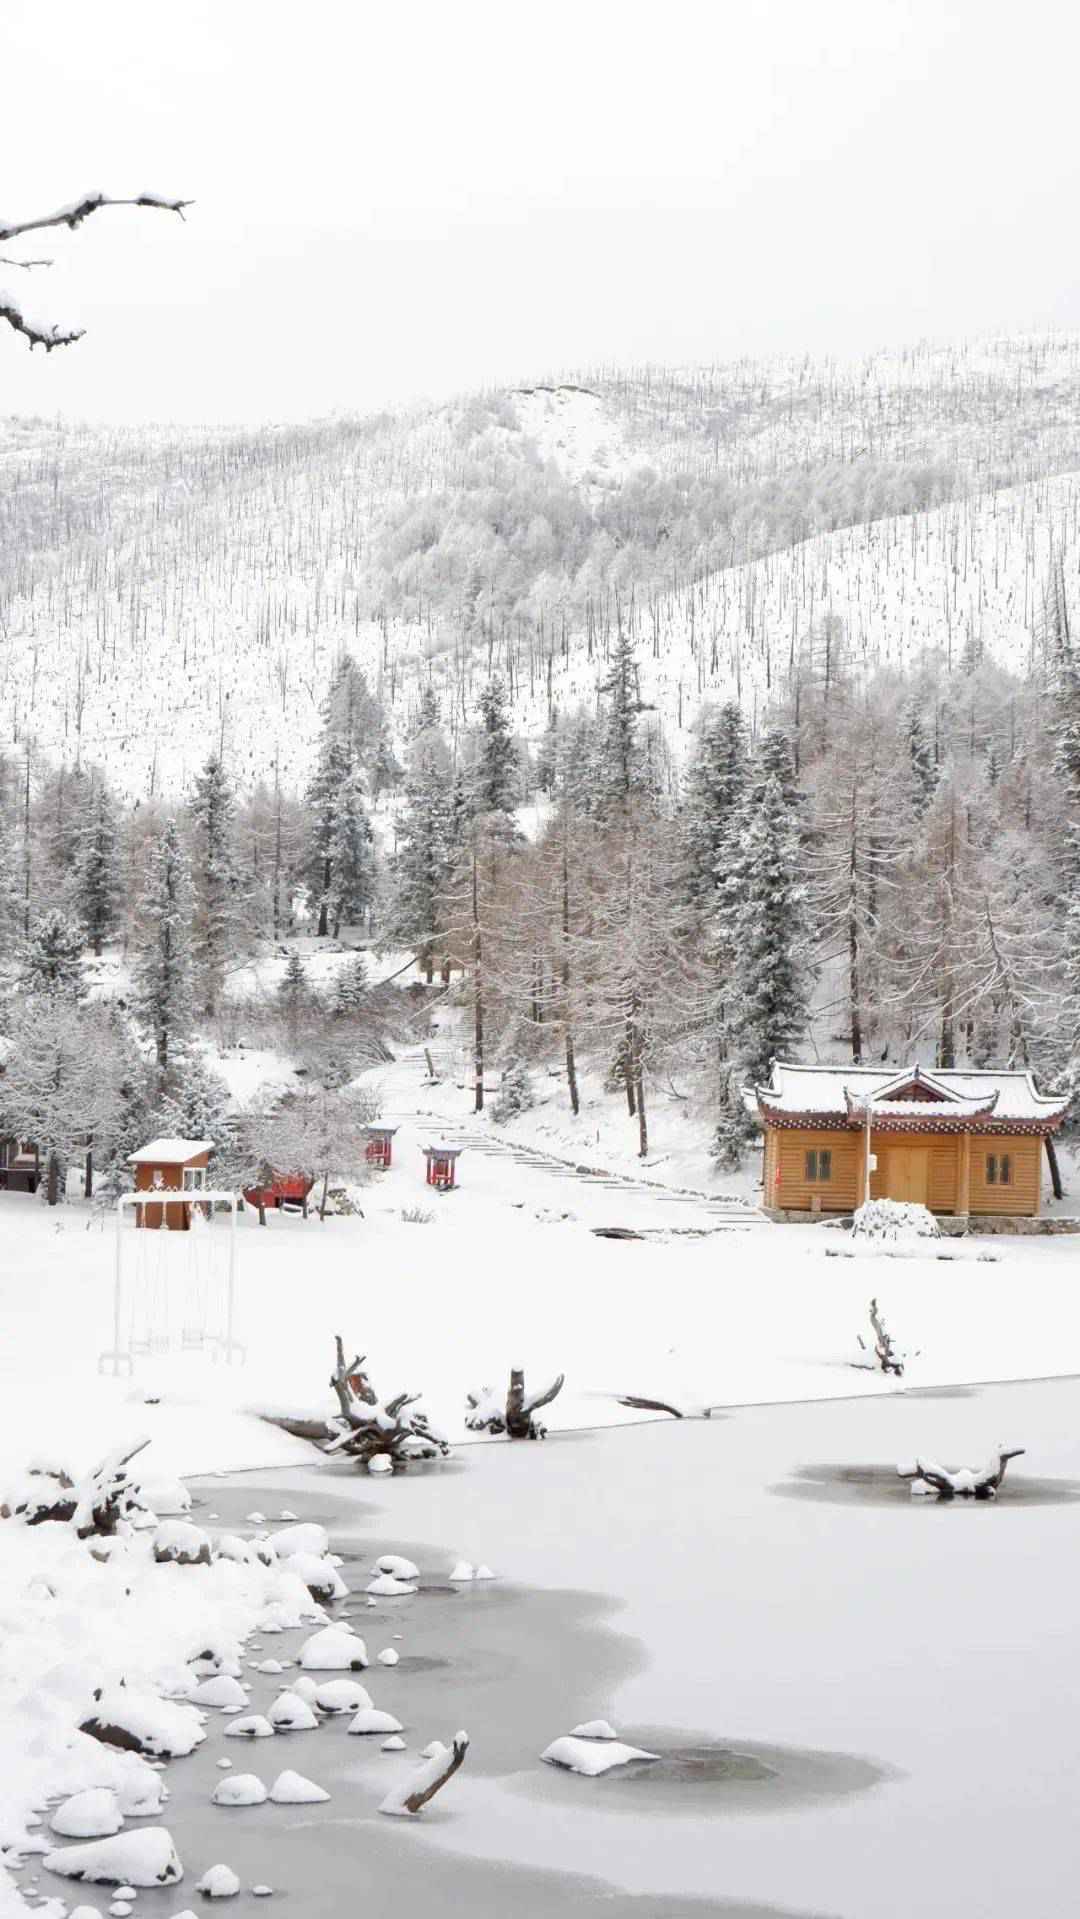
x=894, y=1219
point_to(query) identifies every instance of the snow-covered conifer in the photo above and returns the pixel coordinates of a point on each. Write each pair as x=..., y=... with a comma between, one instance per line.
x=351, y=987
x=496, y=775
x=51, y=961
x=58, y=1087
x=341, y=867
x=97, y=890
x=715, y=787
x=163, y=966
x=619, y=765
x=218, y=915
x=421, y=861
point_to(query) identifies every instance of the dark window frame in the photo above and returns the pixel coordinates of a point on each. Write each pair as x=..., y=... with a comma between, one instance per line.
x=999, y=1169
x=818, y=1165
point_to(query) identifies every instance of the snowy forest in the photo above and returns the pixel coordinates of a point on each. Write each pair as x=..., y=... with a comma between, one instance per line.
x=888, y=868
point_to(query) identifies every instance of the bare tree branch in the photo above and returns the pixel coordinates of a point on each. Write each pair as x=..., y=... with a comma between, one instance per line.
x=37, y=334
x=77, y=211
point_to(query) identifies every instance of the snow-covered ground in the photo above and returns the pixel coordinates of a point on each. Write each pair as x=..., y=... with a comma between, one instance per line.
x=829, y=1618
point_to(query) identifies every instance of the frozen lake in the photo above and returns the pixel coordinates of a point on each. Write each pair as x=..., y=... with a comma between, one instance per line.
x=863, y=1701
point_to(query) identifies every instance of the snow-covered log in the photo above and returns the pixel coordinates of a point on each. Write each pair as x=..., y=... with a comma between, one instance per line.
x=369, y=1429
x=962, y=1482
x=514, y=1415
x=108, y=1494
x=441, y=1763
x=883, y=1355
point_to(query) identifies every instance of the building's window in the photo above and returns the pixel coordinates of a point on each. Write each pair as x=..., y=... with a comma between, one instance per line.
x=819, y=1164
x=194, y=1177
x=999, y=1169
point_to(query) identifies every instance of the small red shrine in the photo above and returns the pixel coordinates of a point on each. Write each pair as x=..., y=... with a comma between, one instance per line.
x=442, y=1166
x=380, y=1146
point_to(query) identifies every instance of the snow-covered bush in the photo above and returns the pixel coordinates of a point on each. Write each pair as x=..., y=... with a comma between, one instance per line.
x=884, y=1219
x=515, y=1093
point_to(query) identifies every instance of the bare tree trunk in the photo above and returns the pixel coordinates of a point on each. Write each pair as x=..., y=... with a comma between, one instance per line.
x=325, y=1190
x=643, y=1125
x=571, y=1062
x=478, y=991
x=52, y=1178
x=88, y=1178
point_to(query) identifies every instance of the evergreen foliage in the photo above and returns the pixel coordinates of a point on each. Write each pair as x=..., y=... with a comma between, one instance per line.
x=496, y=780
x=219, y=905
x=52, y=955
x=163, y=962
x=715, y=787
x=97, y=886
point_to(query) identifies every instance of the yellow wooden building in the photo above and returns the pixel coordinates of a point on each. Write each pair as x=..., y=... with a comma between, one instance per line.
x=964, y=1143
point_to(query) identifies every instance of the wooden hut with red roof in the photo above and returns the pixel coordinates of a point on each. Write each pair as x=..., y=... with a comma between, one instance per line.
x=965, y=1143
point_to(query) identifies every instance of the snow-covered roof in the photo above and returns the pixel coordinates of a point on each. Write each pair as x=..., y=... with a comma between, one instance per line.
x=944, y=1094
x=170, y=1152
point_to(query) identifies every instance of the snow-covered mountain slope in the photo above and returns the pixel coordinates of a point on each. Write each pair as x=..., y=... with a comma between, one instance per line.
x=162, y=590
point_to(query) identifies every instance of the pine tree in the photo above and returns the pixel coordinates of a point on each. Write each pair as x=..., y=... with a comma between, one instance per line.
x=341, y=865
x=421, y=863
x=496, y=779
x=52, y=955
x=97, y=890
x=293, y=986
x=715, y=787
x=763, y=919
x=163, y=965
x=920, y=753
x=618, y=759
x=351, y=988
x=218, y=895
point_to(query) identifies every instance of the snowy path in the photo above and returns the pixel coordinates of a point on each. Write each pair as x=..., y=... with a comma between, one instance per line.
x=433, y=1114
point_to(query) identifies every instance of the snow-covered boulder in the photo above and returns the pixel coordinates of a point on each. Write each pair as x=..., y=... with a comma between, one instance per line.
x=269, y=1666
x=388, y=1657
x=370, y=1720
x=462, y=1572
x=334, y=1650
x=139, y=1722
x=309, y=1539
x=94, y=1814
x=320, y=1576
x=214, y=1656
x=239, y=1789
x=292, y=1789
x=396, y=1566
x=304, y=1688
x=140, y=1792
x=168, y=1497
x=483, y=1572
x=380, y=1463
x=178, y=1543
x=145, y=1858
x=592, y=1756
x=885, y=1219
x=341, y=1695
x=290, y=1713
x=594, y=1729
x=386, y=1586
x=253, y=1726
x=223, y=1692
x=231, y=1546
x=219, y=1882
x=395, y=1743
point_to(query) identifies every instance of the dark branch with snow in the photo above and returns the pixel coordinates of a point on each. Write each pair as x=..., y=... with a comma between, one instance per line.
x=46, y=333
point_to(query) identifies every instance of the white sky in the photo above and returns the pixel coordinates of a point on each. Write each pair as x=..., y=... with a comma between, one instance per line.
x=403, y=198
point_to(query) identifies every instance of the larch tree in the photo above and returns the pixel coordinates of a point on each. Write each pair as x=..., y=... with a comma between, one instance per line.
x=218, y=892
x=163, y=963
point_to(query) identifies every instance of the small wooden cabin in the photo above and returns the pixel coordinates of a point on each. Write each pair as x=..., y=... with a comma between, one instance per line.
x=963, y=1143
x=170, y=1166
x=380, y=1146
x=442, y=1166
x=20, y=1166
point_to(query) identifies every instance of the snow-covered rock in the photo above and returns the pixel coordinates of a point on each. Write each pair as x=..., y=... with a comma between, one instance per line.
x=269, y=1666
x=290, y=1713
x=483, y=1572
x=319, y=1575
x=137, y=1722
x=594, y=1729
x=370, y=1720
x=219, y=1882
x=231, y=1546
x=395, y=1743
x=334, y=1650
x=396, y=1566
x=144, y=1858
x=388, y=1657
x=94, y=1814
x=379, y=1464
x=341, y=1695
x=221, y=1691
x=179, y=1543
x=239, y=1789
x=214, y=1657
x=308, y=1539
x=304, y=1688
x=462, y=1572
x=386, y=1586
x=165, y=1496
x=591, y=1756
x=253, y=1726
x=140, y=1792
x=292, y=1789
